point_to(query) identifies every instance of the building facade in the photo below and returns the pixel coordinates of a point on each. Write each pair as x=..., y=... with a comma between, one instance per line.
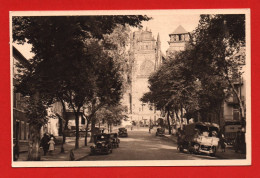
x=232, y=120
x=146, y=53
x=20, y=121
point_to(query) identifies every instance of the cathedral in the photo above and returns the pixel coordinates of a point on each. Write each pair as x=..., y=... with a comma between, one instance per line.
x=147, y=55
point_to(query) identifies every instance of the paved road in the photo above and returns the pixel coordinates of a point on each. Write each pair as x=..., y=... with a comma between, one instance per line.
x=140, y=145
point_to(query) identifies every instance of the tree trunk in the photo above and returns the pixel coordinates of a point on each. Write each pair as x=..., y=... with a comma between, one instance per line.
x=168, y=120
x=93, y=122
x=34, y=153
x=181, y=118
x=77, y=130
x=65, y=126
x=86, y=135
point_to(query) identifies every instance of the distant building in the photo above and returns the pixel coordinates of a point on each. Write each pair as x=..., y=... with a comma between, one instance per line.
x=178, y=40
x=147, y=56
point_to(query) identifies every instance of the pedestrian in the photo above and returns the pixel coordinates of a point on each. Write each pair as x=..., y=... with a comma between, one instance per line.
x=222, y=143
x=45, y=143
x=51, y=145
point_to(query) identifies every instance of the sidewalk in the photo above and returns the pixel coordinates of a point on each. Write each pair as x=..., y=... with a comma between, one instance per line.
x=228, y=154
x=79, y=153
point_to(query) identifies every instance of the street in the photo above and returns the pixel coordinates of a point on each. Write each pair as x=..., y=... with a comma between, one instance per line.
x=141, y=145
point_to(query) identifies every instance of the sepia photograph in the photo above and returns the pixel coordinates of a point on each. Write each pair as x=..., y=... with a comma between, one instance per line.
x=130, y=88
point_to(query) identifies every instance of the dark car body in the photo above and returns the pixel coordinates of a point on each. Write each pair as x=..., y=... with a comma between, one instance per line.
x=122, y=132
x=102, y=144
x=160, y=132
x=114, y=140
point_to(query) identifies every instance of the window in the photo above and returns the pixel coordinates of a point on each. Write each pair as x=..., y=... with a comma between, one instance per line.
x=180, y=37
x=236, y=115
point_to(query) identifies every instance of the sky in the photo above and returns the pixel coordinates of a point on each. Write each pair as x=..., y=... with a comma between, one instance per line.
x=164, y=24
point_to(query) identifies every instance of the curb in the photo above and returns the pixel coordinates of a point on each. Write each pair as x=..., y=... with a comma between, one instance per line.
x=81, y=158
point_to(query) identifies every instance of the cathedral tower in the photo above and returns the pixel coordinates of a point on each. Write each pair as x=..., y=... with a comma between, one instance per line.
x=146, y=52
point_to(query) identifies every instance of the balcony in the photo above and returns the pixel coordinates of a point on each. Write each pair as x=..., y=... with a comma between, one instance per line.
x=233, y=100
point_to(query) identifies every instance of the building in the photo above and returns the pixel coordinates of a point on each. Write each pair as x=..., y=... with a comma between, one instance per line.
x=20, y=121
x=147, y=56
x=178, y=39
x=232, y=121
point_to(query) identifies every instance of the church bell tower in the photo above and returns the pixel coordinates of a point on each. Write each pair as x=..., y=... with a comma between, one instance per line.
x=178, y=39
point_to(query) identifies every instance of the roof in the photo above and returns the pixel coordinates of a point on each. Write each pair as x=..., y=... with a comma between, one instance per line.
x=179, y=30
x=18, y=56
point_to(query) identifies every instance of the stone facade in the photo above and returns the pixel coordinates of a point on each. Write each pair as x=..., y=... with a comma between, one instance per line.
x=146, y=52
x=178, y=40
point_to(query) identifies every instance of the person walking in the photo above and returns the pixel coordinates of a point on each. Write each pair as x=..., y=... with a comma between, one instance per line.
x=45, y=143
x=51, y=145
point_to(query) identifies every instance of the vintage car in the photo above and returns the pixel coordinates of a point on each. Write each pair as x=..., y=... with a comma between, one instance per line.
x=160, y=132
x=200, y=137
x=122, y=132
x=102, y=144
x=115, y=140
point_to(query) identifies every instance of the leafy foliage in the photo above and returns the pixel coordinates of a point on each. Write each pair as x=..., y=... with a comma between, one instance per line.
x=200, y=77
x=72, y=63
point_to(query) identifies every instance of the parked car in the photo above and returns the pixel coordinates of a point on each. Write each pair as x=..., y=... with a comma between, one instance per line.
x=122, y=132
x=200, y=137
x=160, y=132
x=115, y=140
x=102, y=144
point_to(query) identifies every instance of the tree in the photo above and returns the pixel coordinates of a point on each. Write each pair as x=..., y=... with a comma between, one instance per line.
x=67, y=54
x=37, y=117
x=111, y=115
x=172, y=88
x=214, y=42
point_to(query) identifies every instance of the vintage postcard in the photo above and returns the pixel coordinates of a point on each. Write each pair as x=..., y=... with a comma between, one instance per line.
x=130, y=88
